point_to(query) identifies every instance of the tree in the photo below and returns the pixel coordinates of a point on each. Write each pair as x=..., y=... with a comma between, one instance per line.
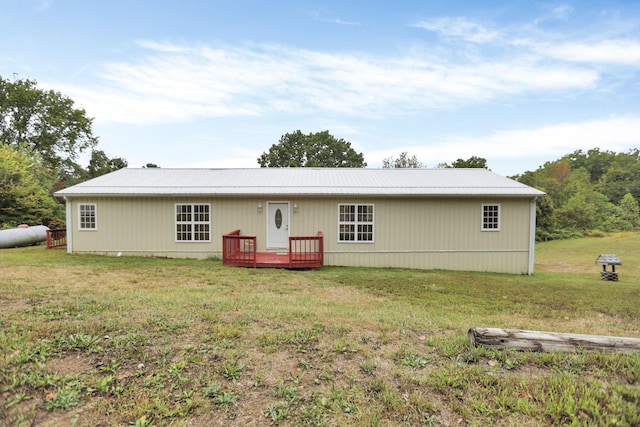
x=471, y=162
x=319, y=149
x=595, y=161
x=629, y=209
x=100, y=164
x=402, y=161
x=43, y=123
x=24, y=198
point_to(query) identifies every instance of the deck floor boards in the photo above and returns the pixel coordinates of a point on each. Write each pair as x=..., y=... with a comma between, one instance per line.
x=276, y=260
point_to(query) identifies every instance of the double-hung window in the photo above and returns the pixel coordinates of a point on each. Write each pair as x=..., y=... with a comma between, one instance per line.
x=193, y=222
x=491, y=217
x=87, y=218
x=355, y=223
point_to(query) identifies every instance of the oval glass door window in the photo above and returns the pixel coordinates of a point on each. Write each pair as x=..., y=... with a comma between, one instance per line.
x=278, y=219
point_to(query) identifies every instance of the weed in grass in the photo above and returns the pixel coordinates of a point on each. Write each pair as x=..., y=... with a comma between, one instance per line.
x=64, y=399
x=38, y=377
x=304, y=364
x=341, y=348
x=38, y=354
x=219, y=394
x=185, y=396
x=112, y=367
x=297, y=379
x=314, y=415
x=411, y=358
x=14, y=399
x=288, y=392
x=344, y=399
x=142, y=422
x=220, y=332
x=103, y=385
x=259, y=380
x=297, y=339
x=231, y=370
x=130, y=344
x=278, y=412
x=85, y=343
x=175, y=369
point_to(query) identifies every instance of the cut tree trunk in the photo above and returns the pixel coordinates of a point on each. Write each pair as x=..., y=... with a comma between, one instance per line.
x=550, y=341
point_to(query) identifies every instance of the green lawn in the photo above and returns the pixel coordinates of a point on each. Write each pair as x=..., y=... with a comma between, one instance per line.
x=89, y=340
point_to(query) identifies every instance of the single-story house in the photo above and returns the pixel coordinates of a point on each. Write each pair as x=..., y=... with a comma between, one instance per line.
x=454, y=219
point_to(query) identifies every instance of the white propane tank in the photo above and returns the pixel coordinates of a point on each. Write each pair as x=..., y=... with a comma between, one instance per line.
x=23, y=236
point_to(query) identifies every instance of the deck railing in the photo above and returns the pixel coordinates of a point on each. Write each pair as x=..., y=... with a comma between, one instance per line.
x=306, y=251
x=238, y=250
x=56, y=238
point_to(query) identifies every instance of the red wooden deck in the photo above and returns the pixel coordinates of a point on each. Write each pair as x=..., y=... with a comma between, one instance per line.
x=56, y=238
x=304, y=252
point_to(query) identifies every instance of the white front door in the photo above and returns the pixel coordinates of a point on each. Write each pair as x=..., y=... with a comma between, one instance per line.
x=277, y=225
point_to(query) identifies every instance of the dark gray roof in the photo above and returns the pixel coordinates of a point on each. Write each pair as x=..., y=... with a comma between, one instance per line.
x=301, y=182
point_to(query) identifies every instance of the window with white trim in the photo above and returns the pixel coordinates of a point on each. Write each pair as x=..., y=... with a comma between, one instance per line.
x=355, y=223
x=87, y=218
x=193, y=222
x=491, y=217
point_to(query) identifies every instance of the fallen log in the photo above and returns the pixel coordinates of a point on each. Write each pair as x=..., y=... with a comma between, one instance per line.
x=550, y=341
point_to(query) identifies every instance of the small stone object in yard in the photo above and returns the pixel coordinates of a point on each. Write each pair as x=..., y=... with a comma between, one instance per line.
x=612, y=260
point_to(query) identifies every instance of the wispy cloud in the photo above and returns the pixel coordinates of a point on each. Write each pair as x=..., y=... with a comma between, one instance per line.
x=545, y=142
x=343, y=22
x=173, y=82
x=562, y=12
x=459, y=27
x=604, y=52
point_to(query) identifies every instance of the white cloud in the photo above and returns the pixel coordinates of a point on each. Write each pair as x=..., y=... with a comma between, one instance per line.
x=171, y=83
x=547, y=142
x=459, y=27
x=562, y=12
x=606, y=52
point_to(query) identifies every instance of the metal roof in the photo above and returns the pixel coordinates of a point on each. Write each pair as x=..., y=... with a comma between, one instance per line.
x=608, y=259
x=301, y=182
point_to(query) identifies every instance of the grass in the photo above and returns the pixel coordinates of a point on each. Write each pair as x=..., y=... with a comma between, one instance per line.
x=88, y=340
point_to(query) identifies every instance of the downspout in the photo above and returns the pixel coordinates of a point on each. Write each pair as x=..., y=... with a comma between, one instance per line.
x=532, y=235
x=69, y=221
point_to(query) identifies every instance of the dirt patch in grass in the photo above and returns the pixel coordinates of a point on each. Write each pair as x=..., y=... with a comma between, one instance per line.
x=564, y=267
x=72, y=364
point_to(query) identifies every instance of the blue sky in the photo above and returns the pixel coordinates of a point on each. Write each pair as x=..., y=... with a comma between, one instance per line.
x=216, y=83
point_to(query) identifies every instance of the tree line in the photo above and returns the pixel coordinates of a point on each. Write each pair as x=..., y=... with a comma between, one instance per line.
x=587, y=192
x=43, y=134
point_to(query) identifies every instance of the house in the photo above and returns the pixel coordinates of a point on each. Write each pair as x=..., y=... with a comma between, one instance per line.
x=453, y=219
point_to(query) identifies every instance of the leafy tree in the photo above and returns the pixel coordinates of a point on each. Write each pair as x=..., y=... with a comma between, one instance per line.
x=622, y=177
x=100, y=164
x=402, y=161
x=319, y=149
x=471, y=162
x=596, y=162
x=583, y=211
x=24, y=198
x=587, y=190
x=43, y=123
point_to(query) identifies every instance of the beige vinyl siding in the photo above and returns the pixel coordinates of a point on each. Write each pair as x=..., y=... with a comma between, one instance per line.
x=429, y=233
x=146, y=226
x=425, y=233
